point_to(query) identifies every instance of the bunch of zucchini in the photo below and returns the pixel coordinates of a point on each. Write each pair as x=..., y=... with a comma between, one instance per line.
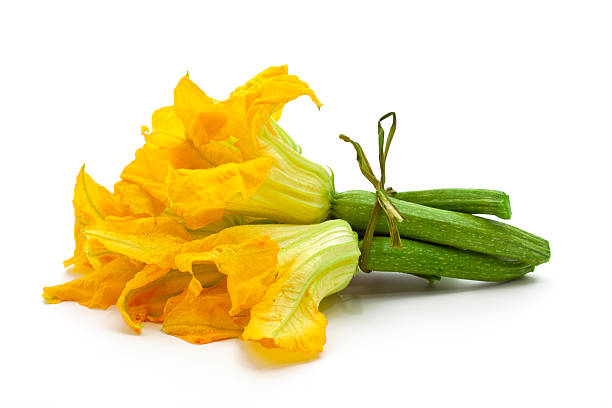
x=434, y=232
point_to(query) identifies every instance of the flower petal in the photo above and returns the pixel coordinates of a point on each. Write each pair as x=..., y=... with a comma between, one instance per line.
x=148, y=225
x=203, y=315
x=239, y=119
x=99, y=289
x=250, y=268
x=144, y=296
x=138, y=201
x=92, y=203
x=147, y=240
x=200, y=196
x=166, y=148
x=318, y=263
x=268, y=93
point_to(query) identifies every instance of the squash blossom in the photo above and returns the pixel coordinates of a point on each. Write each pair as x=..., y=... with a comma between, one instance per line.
x=209, y=165
x=206, y=159
x=257, y=282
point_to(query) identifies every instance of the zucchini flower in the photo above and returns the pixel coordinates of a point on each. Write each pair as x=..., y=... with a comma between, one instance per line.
x=257, y=282
x=206, y=159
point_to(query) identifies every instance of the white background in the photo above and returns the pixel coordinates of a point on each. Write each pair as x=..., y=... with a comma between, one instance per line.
x=514, y=96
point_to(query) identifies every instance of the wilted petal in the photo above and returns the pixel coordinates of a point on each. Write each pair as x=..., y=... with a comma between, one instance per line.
x=320, y=261
x=242, y=116
x=200, y=196
x=148, y=225
x=268, y=93
x=147, y=240
x=92, y=203
x=145, y=295
x=98, y=289
x=250, y=268
x=203, y=315
x=138, y=201
x=166, y=148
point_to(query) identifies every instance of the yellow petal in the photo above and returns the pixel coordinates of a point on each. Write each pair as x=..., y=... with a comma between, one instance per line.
x=149, y=170
x=241, y=117
x=144, y=296
x=155, y=246
x=193, y=288
x=211, y=127
x=203, y=316
x=137, y=200
x=150, y=225
x=205, y=126
x=190, y=101
x=250, y=268
x=257, y=80
x=169, y=134
x=166, y=148
x=264, y=75
x=97, y=254
x=128, y=235
x=99, y=289
x=228, y=220
x=200, y=196
x=167, y=125
x=92, y=203
x=154, y=292
x=319, y=261
x=220, y=152
x=268, y=93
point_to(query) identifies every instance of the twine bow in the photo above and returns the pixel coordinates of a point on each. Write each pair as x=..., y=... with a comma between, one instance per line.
x=382, y=195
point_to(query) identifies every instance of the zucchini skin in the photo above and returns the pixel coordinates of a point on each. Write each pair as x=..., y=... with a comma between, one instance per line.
x=463, y=231
x=464, y=200
x=425, y=259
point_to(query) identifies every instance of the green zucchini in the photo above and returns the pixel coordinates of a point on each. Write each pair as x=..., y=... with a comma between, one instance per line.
x=465, y=200
x=464, y=231
x=431, y=260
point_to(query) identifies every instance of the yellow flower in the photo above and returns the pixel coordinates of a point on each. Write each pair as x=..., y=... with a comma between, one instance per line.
x=258, y=282
x=163, y=246
x=206, y=159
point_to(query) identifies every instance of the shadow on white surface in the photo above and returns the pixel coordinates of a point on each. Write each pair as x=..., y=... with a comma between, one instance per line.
x=349, y=302
x=384, y=283
x=391, y=285
x=262, y=358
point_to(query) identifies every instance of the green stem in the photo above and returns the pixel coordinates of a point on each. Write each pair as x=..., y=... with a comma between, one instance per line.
x=443, y=227
x=465, y=200
x=422, y=258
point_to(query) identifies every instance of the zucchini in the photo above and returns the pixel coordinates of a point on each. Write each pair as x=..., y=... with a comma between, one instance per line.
x=432, y=260
x=464, y=231
x=465, y=200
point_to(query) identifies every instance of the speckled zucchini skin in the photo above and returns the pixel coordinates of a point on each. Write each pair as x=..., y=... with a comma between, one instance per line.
x=458, y=230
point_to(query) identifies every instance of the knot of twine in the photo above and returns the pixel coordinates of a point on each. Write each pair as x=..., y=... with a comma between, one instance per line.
x=382, y=195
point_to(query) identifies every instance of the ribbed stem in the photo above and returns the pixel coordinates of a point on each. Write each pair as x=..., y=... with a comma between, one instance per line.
x=422, y=258
x=465, y=200
x=443, y=227
x=296, y=191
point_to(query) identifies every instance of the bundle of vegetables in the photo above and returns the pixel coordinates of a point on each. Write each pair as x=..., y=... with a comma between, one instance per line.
x=220, y=228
